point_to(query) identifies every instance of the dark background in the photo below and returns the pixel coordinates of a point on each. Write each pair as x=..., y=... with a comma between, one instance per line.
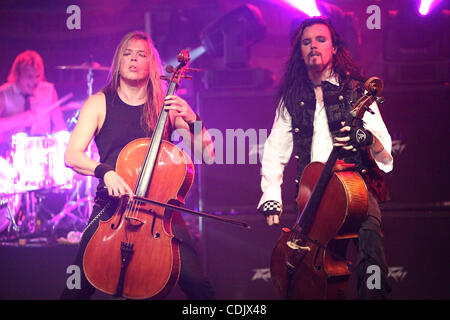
x=409, y=53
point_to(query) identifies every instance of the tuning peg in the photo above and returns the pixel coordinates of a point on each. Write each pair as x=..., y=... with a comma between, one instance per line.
x=380, y=100
x=187, y=77
x=169, y=68
x=193, y=70
x=164, y=78
x=369, y=110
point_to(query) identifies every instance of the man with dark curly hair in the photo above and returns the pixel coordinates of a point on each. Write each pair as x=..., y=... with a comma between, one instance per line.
x=319, y=88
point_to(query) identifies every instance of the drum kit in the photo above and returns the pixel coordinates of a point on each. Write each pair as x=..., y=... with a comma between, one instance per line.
x=41, y=200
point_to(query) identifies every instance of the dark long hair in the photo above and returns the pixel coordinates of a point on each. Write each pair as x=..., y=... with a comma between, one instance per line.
x=295, y=78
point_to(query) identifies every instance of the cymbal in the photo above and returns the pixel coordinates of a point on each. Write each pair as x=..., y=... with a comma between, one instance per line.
x=85, y=66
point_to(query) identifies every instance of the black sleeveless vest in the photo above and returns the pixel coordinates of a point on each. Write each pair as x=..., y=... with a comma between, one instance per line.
x=338, y=101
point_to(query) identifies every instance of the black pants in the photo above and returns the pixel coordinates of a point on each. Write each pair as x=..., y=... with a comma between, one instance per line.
x=371, y=257
x=192, y=280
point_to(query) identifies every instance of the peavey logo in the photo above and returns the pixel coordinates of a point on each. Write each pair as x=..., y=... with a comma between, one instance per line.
x=261, y=273
x=397, y=273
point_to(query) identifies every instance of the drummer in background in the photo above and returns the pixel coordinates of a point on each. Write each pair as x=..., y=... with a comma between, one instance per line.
x=24, y=97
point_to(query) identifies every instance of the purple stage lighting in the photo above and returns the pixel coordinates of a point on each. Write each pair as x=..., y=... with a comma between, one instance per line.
x=425, y=6
x=308, y=7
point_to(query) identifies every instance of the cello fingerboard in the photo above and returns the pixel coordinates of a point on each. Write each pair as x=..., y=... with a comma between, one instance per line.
x=150, y=159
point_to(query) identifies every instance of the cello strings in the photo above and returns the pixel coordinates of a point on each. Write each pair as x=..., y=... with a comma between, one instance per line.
x=134, y=209
x=130, y=207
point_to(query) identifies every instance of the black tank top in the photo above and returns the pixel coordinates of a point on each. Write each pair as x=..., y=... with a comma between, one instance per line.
x=122, y=125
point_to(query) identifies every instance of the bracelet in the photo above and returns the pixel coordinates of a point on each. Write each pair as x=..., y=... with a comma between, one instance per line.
x=271, y=207
x=102, y=169
x=192, y=125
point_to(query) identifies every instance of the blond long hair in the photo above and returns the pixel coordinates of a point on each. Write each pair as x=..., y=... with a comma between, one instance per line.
x=156, y=88
x=27, y=58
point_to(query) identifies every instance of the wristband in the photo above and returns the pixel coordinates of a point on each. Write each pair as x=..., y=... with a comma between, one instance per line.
x=192, y=125
x=270, y=207
x=360, y=137
x=102, y=169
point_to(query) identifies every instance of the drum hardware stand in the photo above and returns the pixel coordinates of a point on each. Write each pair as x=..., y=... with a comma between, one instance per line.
x=25, y=226
x=67, y=213
x=32, y=226
x=72, y=205
x=90, y=66
x=88, y=191
x=73, y=120
x=88, y=181
x=48, y=227
x=30, y=217
x=12, y=221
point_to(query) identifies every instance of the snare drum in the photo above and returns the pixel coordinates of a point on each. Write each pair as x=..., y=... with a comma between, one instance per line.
x=39, y=161
x=30, y=159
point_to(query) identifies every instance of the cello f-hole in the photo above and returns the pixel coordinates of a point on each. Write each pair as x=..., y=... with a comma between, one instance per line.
x=114, y=227
x=152, y=230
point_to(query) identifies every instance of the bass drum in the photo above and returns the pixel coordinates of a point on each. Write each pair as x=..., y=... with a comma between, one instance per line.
x=9, y=200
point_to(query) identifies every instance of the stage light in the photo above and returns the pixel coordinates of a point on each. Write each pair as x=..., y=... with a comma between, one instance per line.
x=425, y=6
x=309, y=7
x=232, y=35
x=421, y=56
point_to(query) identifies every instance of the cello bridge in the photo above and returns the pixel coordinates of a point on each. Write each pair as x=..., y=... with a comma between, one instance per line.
x=134, y=222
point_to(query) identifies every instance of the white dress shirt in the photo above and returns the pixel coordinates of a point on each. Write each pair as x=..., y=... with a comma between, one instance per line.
x=279, y=145
x=44, y=95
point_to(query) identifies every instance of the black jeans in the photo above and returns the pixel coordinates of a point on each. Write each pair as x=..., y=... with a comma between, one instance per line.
x=192, y=281
x=370, y=254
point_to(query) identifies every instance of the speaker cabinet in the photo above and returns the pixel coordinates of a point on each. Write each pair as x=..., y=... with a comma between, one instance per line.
x=239, y=121
x=416, y=245
x=238, y=260
x=34, y=272
x=416, y=119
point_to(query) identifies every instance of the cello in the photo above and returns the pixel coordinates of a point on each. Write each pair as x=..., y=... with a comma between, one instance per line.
x=134, y=254
x=309, y=260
